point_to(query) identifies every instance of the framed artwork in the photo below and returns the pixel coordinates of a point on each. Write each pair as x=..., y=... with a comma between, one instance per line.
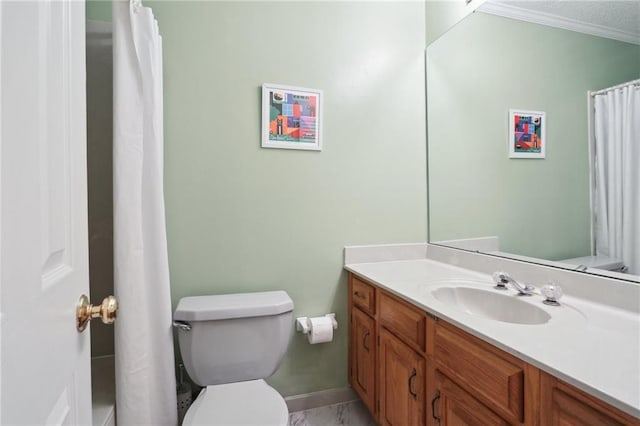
x=527, y=134
x=291, y=117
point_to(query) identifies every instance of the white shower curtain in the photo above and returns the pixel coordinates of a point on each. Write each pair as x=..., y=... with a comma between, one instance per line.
x=617, y=172
x=145, y=378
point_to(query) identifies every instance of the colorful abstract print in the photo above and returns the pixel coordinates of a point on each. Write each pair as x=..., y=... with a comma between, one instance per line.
x=292, y=117
x=527, y=133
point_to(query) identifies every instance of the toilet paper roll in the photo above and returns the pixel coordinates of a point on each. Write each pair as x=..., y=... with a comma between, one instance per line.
x=321, y=330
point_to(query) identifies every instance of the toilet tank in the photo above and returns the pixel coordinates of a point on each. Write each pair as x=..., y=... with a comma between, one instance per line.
x=598, y=262
x=233, y=337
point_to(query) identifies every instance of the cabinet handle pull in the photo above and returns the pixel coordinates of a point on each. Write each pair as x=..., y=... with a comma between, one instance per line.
x=359, y=295
x=414, y=373
x=364, y=340
x=436, y=397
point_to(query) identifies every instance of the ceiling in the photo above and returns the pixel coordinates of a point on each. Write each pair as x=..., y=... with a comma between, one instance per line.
x=619, y=20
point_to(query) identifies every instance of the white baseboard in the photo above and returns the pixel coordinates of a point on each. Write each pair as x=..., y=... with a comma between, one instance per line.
x=307, y=401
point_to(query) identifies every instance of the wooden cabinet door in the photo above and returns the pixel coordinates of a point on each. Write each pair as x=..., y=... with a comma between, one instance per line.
x=402, y=383
x=563, y=404
x=490, y=375
x=362, y=372
x=452, y=406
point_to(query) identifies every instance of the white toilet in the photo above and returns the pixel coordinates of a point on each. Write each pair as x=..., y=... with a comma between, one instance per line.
x=229, y=344
x=597, y=262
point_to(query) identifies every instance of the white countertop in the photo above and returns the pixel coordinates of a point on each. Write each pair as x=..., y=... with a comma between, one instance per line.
x=592, y=346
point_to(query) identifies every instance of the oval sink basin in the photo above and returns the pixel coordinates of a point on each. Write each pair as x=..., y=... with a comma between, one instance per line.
x=491, y=305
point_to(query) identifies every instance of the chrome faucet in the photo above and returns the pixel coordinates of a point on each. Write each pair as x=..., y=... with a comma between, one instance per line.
x=502, y=279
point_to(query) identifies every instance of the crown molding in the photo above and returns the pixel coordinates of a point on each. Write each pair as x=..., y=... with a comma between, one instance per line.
x=528, y=15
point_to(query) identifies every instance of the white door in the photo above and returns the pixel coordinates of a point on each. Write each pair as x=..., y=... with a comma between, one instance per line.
x=45, y=362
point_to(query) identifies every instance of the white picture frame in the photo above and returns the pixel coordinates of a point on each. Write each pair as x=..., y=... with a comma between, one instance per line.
x=291, y=117
x=526, y=137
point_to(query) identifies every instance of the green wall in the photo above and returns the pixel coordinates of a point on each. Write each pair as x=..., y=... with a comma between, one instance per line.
x=98, y=10
x=242, y=218
x=475, y=73
x=442, y=15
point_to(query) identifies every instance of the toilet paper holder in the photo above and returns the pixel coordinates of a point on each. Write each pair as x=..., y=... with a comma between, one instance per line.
x=303, y=323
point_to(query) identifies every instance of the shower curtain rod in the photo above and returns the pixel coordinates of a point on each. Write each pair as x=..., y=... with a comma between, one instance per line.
x=628, y=83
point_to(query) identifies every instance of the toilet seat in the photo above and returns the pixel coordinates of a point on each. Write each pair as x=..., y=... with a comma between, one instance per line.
x=247, y=403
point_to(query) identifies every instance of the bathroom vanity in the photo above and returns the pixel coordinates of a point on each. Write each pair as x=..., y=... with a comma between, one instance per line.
x=428, y=344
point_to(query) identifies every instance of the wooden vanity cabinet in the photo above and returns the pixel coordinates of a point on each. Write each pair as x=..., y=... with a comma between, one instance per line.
x=563, y=404
x=411, y=368
x=363, y=341
x=386, y=354
x=402, y=364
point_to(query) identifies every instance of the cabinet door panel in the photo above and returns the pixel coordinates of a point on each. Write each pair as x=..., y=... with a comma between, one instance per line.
x=403, y=319
x=456, y=407
x=402, y=382
x=363, y=357
x=363, y=295
x=563, y=404
x=495, y=381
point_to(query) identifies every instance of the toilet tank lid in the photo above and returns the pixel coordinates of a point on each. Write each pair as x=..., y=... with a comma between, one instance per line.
x=228, y=306
x=599, y=261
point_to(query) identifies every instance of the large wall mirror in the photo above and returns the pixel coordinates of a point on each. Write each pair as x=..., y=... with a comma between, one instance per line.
x=535, y=209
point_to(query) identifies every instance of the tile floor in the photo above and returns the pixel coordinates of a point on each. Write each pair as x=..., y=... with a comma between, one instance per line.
x=351, y=413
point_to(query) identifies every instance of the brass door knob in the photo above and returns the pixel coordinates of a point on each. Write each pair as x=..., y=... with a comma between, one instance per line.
x=107, y=311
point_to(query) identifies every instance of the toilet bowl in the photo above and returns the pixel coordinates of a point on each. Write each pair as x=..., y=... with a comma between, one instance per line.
x=245, y=403
x=229, y=345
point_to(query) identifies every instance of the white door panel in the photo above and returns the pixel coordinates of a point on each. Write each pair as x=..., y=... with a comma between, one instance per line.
x=45, y=365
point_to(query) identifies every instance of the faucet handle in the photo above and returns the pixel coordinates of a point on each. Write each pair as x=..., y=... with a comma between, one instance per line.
x=501, y=279
x=552, y=294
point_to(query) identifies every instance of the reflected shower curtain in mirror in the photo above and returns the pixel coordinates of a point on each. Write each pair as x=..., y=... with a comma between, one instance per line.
x=617, y=174
x=145, y=378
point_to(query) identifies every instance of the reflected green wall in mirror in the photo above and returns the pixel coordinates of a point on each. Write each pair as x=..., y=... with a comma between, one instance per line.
x=440, y=16
x=475, y=73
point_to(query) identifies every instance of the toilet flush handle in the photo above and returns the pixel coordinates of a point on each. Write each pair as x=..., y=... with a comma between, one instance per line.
x=184, y=326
